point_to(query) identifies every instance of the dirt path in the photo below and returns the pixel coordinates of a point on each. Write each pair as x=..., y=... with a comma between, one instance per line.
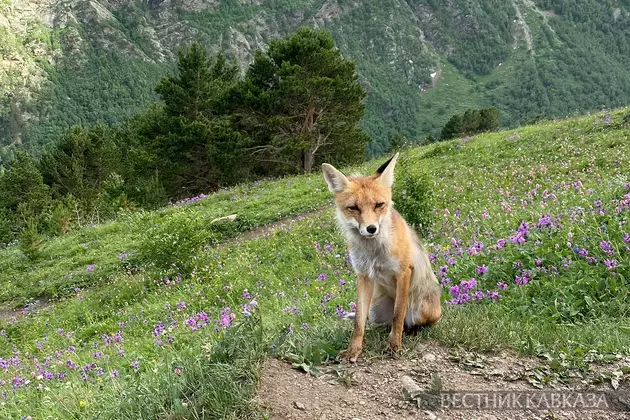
x=267, y=230
x=376, y=392
x=11, y=315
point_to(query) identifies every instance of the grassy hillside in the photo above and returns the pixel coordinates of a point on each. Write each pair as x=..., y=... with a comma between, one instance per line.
x=99, y=61
x=150, y=316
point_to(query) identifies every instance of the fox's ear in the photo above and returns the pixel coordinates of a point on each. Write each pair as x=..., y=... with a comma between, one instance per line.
x=336, y=181
x=385, y=174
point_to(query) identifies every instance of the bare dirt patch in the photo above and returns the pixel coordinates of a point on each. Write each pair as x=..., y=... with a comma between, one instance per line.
x=268, y=230
x=376, y=389
x=12, y=314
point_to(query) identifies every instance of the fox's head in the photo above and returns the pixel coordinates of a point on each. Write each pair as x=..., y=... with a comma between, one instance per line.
x=363, y=202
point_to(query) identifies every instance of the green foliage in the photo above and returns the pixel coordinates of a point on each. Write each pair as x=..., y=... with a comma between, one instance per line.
x=200, y=85
x=83, y=163
x=100, y=87
x=23, y=185
x=455, y=24
x=537, y=58
x=60, y=219
x=23, y=196
x=30, y=241
x=309, y=97
x=413, y=195
x=172, y=243
x=472, y=121
x=190, y=141
x=63, y=267
x=398, y=142
x=7, y=226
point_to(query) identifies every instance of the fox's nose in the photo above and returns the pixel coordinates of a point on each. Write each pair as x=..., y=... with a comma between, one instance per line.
x=371, y=229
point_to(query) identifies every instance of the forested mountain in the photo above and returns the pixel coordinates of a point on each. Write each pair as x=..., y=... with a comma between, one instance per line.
x=66, y=62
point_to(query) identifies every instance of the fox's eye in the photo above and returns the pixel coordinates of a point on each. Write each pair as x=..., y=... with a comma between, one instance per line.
x=353, y=208
x=379, y=205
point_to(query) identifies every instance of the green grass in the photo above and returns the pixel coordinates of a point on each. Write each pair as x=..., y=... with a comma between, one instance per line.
x=300, y=277
x=64, y=261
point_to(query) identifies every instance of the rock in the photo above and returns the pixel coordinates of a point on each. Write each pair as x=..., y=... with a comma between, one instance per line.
x=430, y=415
x=428, y=357
x=299, y=405
x=229, y=218
x=410, y=388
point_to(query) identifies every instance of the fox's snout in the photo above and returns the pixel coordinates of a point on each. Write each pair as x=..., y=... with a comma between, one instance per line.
x=369, y=231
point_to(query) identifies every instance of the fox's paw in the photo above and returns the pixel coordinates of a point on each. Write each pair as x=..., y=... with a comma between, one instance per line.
x=351, y=354
x=395, y=345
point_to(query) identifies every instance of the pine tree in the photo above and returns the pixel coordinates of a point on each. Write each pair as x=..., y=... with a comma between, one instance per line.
x=303, y=99
x=191, y=141
x=453, y=127
x=80, y=163
x=22, y=188
x=489, y=119
x=197, y=89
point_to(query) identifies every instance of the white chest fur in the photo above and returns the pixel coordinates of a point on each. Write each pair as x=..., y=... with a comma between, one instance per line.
x=372, y=258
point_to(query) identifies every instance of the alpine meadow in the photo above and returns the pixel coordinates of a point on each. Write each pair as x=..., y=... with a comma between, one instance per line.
x=161, y=314
x=169, y=247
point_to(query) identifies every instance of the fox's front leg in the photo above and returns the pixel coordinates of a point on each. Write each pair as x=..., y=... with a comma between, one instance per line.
x=365, y=288
x=403, y=281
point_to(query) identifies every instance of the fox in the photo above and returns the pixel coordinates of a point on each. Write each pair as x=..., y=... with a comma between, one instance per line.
x=396, y=285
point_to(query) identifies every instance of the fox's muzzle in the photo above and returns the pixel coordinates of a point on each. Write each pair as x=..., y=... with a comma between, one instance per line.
x=369, y=231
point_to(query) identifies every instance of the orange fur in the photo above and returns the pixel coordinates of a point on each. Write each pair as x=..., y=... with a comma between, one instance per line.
x=396, y=285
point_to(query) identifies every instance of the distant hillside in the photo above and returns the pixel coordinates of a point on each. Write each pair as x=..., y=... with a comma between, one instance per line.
x=64, y=62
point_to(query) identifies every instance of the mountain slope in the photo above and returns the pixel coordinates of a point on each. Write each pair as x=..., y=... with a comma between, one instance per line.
x=65, y=62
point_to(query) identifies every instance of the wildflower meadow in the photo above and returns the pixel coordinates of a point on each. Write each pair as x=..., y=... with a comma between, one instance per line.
x=166, y=315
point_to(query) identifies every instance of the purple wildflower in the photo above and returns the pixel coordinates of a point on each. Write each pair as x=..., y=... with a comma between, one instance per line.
x=606, y=247
x=494, y=295
x=610, y=264
x=522, y=279
x=521, y=235
x=545, y=221
x=226, y=318
x=158, y=329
